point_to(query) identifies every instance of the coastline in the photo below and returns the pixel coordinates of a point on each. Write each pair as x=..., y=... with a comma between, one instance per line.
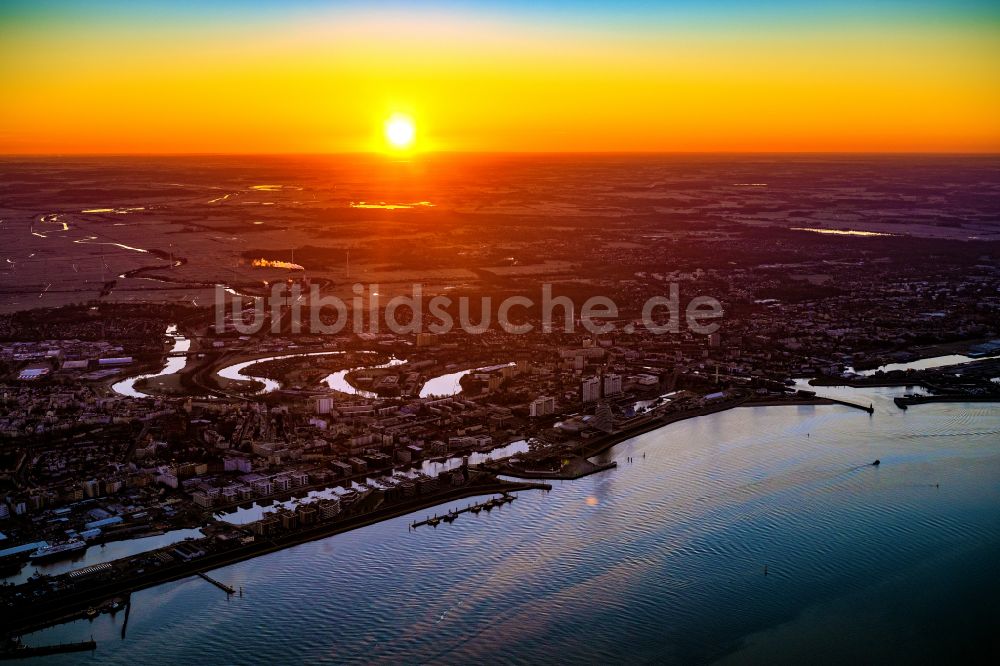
x=70, y=607
x=902, y=403
x=599, y=445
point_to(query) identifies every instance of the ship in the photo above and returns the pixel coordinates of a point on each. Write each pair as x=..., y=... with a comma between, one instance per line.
x=59, y=550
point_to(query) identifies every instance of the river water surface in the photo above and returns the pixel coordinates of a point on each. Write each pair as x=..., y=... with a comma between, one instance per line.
x=176, y=360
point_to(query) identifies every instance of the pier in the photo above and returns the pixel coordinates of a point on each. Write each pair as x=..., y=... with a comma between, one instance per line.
x=870, y=408
x=222, y=586
x=472, y=508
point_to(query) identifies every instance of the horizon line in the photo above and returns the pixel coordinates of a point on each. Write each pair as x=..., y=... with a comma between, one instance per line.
x=410, y=155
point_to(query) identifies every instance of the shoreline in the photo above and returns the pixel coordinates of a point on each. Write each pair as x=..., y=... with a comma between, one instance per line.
x=808, y=401
x=605, y=443
x=70, y=607
x=903, y=402
x=861, y=383
x=920, y=353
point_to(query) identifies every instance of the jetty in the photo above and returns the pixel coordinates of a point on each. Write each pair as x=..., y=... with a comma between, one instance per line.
x=222, y=586
x=450, y=517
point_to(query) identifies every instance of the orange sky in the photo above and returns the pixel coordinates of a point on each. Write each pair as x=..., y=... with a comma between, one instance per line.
x=321, y=81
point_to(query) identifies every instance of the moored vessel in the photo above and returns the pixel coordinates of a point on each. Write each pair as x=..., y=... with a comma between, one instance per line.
x=58, y=550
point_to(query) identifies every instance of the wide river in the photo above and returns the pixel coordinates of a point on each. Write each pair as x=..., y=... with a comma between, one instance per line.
x=660, y=560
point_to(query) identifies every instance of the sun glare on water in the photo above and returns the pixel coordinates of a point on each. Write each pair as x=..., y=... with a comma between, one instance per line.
x=400, y=132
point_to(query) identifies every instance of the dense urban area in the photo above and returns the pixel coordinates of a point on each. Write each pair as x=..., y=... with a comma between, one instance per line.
x=129, y=415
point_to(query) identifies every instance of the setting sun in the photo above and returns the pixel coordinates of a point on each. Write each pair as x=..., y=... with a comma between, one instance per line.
x=400, y=132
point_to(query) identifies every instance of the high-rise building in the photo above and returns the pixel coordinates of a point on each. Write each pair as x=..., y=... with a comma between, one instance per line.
x=590, y=390
x=612, y=384
x=603, y=419
x=542, y=406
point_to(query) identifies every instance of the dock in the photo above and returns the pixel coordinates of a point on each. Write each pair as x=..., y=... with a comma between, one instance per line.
x=222, y=586
x=449, y=517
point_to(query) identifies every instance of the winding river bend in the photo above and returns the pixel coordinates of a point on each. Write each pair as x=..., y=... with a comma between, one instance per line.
x=445, y=385
x=236, y=371
x=441, y=386
x=176, y=361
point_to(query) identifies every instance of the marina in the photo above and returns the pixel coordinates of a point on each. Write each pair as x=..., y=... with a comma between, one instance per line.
x=450, y=517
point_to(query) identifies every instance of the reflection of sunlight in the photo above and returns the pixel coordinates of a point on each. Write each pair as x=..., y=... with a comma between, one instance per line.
x=841, y=232
x=274, y=188
x=125, y=210
x=92, y=240
x=276, y=263
x=391, y=206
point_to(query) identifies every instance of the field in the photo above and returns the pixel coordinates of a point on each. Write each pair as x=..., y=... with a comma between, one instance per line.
x=170, y=229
